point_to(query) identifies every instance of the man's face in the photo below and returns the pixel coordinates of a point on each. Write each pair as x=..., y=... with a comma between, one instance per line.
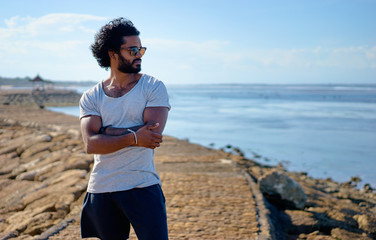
x=128, y=63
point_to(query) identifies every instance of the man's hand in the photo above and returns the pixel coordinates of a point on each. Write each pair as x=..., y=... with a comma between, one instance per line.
x=146, y=137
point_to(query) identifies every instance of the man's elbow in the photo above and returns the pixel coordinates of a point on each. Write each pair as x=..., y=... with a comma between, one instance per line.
x=89, y=148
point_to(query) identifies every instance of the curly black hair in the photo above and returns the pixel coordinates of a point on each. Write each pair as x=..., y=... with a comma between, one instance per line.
x=111, y=37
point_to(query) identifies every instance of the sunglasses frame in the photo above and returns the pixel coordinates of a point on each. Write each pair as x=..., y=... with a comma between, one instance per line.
x=142, y=50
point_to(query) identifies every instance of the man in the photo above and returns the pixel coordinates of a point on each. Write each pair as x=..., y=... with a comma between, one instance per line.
x=122, y=119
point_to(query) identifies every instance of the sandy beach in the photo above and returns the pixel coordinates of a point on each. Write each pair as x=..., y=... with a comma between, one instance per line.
x=210, y=194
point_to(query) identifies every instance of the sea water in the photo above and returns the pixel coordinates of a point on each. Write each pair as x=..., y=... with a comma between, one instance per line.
x=328, y=131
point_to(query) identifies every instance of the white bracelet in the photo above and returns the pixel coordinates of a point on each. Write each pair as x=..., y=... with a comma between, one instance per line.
x=134, y=134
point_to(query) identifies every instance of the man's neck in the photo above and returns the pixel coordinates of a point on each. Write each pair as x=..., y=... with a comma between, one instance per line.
x=118, y=85
x=122, y=80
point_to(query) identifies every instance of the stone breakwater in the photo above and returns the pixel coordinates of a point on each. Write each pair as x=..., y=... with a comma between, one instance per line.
x=47, y=98
x=44, y=172
x=209, y=194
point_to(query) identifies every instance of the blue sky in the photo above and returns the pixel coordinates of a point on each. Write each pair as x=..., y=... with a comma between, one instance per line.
x=207, y=41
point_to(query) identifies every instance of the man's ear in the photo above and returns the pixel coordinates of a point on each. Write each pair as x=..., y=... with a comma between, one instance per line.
x=111, y=54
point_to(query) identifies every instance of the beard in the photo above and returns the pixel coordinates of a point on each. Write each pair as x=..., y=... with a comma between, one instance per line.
x=127, y=67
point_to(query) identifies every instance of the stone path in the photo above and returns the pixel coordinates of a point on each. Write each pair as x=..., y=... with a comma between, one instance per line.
x=207, y=196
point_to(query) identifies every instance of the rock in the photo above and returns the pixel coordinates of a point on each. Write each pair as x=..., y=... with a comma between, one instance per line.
x=282, y=190
x=75, y=174
x=79, y=162
x=29, y=141
x=36, y=148
x=316, y=235
x=7, y=149
x=9, y=235
x=8, y=162
x=301, y=221
x=32, y=222
x=71, y=185
x=25, y=167
x=29, y=176
x=59, y=200
x=367, y=188
x=11, y=195
x=366, y=223
x=338, y=233
x=40, y=223
x=49, y=170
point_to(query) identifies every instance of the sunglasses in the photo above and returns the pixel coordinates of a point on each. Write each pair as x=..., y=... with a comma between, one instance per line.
x=134, y=50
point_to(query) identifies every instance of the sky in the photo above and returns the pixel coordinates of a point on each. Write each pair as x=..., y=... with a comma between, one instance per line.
x=197, y=41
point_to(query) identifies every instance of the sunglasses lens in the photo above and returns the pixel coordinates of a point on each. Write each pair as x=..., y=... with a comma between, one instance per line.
x=134, y=51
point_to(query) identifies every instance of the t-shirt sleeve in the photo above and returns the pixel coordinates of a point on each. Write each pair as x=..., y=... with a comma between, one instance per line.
x=88, y=106
x=158, y=96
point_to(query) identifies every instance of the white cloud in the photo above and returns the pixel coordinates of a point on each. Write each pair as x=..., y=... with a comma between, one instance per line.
x=56, y=24
x=11, y=23
x=54, y=41
x=371, y=53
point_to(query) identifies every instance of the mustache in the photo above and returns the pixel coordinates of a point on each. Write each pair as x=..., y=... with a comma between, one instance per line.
x=134, y=61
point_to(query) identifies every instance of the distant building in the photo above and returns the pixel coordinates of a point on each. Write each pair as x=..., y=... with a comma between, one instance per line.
x=40, y=84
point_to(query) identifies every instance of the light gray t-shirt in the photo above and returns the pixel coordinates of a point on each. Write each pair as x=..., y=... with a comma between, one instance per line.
x=130, y=167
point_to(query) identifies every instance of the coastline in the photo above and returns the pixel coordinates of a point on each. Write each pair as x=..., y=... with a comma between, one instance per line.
x=209, y=193
x=331, y=140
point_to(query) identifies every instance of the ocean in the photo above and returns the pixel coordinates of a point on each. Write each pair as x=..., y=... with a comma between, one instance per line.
x=328, y=131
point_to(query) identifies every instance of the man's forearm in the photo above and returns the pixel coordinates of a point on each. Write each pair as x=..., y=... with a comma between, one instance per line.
x=108, y=142
x=104, y=144
x=151, y=115
x=112, y=131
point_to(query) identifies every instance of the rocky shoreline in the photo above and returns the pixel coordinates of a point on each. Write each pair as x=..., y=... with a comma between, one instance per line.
x=332, y=211
x=44, y=172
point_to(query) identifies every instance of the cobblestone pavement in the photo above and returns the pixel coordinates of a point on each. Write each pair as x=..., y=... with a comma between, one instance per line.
x=207, y=196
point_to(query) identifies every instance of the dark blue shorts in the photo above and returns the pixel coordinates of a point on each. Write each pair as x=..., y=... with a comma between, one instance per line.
x=108, y=216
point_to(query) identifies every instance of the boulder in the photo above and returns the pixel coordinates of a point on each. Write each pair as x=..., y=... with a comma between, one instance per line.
x=282, y=191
